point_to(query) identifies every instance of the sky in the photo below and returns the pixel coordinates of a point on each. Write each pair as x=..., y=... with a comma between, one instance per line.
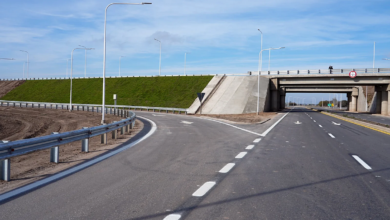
x=219, y=37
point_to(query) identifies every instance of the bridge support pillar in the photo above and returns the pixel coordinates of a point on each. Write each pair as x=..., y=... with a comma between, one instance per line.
x=349, y=102
x=385, y=103
x=354, y=96
x=275, y=96
x=378, y=102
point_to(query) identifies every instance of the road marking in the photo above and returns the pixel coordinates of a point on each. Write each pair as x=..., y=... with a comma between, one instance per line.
x=298, y=123
x=320, y=126
x=257, y=140
x=314, y=120
x=362, y=162
x=203, y=189
x=270, y=128
x=250, y=147
x=241, y=155
x=172, y=217
x=227, y=167
x=336, y=123
x=331, y=135
x=186, y=122
x=232, y=126
x=158, y=115
x=72, y=170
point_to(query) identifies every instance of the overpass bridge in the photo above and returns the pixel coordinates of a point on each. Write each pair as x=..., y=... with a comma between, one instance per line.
x=239, y=94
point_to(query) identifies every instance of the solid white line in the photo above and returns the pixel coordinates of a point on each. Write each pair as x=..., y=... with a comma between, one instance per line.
x=270, y=128
x=257, y=140
x=241, y=155
x=362, y=162
x=232, y=126
x=76, y=168
x=320, y=126
x=172, y=217
x=203, y=189
x=331, y=135
x=227, y=167
x=250, y=147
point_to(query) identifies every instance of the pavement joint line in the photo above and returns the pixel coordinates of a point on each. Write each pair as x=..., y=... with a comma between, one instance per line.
x=331, y=135
x=369, y=127
x=172, y=217
x=249, y=147
x=257, y=140
x=227, y=168
x=357, y=158
x=241, y=155
x=76, y=168
x=233, y=126
x=272, y=126
x=204, y=189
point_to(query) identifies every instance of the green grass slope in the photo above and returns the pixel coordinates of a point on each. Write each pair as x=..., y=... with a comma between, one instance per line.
x=178, y=92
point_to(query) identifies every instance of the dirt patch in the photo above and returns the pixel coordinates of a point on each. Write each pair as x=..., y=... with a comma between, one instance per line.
x=7, y=86
x=16, y=123
x=248, y=118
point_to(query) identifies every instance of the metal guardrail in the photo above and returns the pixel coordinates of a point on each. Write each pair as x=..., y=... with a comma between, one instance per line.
x=9, y=149
x=75, y=106
x=67, y=78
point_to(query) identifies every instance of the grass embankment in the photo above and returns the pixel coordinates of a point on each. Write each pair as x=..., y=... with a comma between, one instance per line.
x=178, y=92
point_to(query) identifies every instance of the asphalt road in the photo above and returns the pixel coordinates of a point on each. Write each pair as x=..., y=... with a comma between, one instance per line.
x=296, y=171
x=366, y=116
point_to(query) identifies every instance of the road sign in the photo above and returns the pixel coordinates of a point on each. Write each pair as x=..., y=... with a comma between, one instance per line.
x=329, y=105
x=201, y=96
x=352, y=74
x=332, y=105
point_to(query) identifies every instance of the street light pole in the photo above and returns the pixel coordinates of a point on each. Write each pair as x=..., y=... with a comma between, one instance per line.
x=27, y=61
x=85, y=65
x=258, y=81
x=159, y=69
x=71, y=77
x=259, y=70
x=120, y=65
x=104, y=52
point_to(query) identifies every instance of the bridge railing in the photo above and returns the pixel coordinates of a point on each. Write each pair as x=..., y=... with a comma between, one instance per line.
x=322, y=71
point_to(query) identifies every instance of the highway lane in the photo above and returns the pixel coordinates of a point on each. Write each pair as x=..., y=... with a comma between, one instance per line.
x=299, y=171
x=147, y=181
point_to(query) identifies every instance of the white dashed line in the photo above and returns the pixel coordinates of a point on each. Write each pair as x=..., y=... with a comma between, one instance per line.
x=362, y=162
x=257, y=140
x=241, y=155
x=320, y=126
x=314, y=120
x=331, y=135
x=203, y=189
x=172, y=217
x=250, y=147
x=227, y=167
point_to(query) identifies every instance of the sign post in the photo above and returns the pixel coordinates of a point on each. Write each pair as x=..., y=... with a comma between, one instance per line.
x=115, y=103
x=200, y=97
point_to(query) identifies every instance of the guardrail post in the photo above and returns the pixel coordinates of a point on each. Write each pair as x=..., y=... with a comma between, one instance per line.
x=85, y=144
x=127, y=127
x=5, y=168
x=14, y=104
x=56, y=106
x=114, y=133
x=123, y=129
x=103, y=137
x=39, y=105
x=54, y=152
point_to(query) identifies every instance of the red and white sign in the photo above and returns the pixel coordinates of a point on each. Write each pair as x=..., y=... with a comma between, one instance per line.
x=352, y=74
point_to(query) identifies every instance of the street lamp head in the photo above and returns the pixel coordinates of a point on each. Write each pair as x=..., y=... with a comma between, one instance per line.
x=259, y=30
x=81, y=46
x=146, y=3
x=386, y=59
